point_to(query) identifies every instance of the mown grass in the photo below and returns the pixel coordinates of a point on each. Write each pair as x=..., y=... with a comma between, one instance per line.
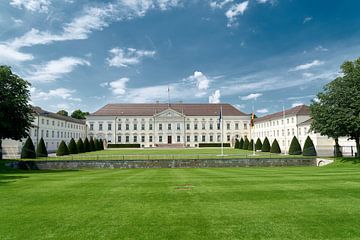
x=231, y=203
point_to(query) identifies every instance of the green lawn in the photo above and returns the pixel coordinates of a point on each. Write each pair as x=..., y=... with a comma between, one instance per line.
x=230, y=203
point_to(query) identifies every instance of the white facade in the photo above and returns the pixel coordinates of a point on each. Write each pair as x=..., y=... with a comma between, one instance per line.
x=168, y=127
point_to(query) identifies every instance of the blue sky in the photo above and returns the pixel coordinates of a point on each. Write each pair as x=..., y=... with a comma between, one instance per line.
x=261, y=53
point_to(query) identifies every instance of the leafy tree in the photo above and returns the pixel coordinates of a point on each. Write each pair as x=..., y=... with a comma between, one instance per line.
x=295, y=148
x=87, y=145
x=72, y=147
x=251, y=145
x=237, y=142
x=41, y=149
x=92, y=144
x=266, y=145
x=80, y=146
x=28, y=150
x=15, y=111
x=63, y=112
x=78, y=114
x=309, y=148
x=275, y=148
x=258, y=144
x=241, y=143
x=336, y=111
x=62, y=150
x=246, y=144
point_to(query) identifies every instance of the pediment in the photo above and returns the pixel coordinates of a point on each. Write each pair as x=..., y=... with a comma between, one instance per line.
x=169, y=113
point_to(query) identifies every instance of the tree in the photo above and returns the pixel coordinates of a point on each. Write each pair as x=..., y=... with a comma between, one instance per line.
x=96, y=144
x=251, y=145
x=295, y=148
x=87, y=145
x=237, y=142
x=258, y=144
x=41, y=149
x=63, y=112
x=101, y=144
x=80, y=146
x=28, y=150
x=15, y=111
x=275, y=148
x=92, y=144
x=309, y=148
x=246, y=144
x=336, y=110
x=62, y=150
x=241, y=143
x=266, y=145
x=78, y=114
x=72, y=147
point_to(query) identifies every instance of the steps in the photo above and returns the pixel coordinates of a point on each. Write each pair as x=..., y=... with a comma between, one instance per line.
x=173, y=145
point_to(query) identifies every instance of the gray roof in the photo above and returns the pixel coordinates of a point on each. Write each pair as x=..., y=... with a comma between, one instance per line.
x=298, y=110
x=42, y=112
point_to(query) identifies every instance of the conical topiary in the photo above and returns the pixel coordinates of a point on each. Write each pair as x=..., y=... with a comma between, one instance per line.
x=62, y=149
x=275, y=148
x=92, y=144
x=72, y=147
x=237, y=142
x=28, y=150
x=96, y=144
x=41, y=149
x=258, y=144
x=309, y=148
x=266, y=145
x=246, y=144
x=101, y=144
x=241, y=143
x=251, y=145
x=295, y=148
x=86, y=145
x=80, y=146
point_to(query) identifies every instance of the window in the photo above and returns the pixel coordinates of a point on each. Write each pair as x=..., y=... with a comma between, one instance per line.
x=195, y=138
x=53, y=123
x=150, y=126
x=305, y=131
x=150, y=138
x=178, y=126
x=135, y=139
x=109, y=126
x=143, y=126
x=293, y=132
x=211, y=138
x=188, y=138
x=42, y=121
x=245, y=126
x=169, y=126
x=91, y=126
x=188, y=126
x=119, y=139
x=35, y=132
x=62, y=135
x=47, y=133
x=236, y=126
x=211, y=126
x=127, y=127
x=52, y=134
x=203, y=138
x=292, y=120
x=228, y=138
x=100, y=127
x=218, y=138
x=218, y=126
x=195, y=126
x=228, y=126
x=127, y=139
x=203, y=126
x=287, y=120
x=135, y=126
x=277, y=132
x=47, y=122
x=283, y=132
x=142, y=138
x=288, y=132
x=160, y=126
x=160, y=138
x=119, y=126
x=178, y=138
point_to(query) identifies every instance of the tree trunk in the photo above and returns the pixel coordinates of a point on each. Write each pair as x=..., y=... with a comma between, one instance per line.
x=357, y=140
x=0, y=149
x=337, y=151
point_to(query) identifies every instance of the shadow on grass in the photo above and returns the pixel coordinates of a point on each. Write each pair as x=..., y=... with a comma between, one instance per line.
x=350, y=160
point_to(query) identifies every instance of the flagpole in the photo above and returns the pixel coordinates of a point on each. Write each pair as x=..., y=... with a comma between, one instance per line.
x=285, y=145
x=222, y=131
x=251, y=132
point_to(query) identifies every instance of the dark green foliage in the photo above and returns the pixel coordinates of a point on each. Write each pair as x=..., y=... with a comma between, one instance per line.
x=251, y=145
x=295, y=148
x=72, y=147
x=258, y=144
x=266, y=145
x=63, y=112
x=275, y=148
x=28, y=150
x=96, y=144
x=41, y=149
x=62, y=150
x=309, y=148
x=337, y=149
x=86, y=145
x=78, y=114
x=246, y=144
x=101, y=144
x=92, y=144
x=15, y=111
x=80, y=146
x=237, y=143
x=128, y=145
x=241, y=143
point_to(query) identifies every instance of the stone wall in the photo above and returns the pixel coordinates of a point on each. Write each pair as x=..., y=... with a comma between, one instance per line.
x=203, y=163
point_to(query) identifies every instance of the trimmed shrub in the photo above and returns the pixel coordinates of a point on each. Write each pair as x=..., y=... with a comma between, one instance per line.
x=246, y=144
x=28, y=150
x=295, y=148
x=86, y=145
x=275, y=148
x=266, y=145
x=80, y=146
x=241, y=143
x=41, y=149
x=62, y=150
x=101, y=144
x=237, y=143
x=92, y=144
x=214, y=145
x=251, y=145
x=96, y=143
x=127, y=145
x=309, y=148
x=72, y=147
x=258, y=144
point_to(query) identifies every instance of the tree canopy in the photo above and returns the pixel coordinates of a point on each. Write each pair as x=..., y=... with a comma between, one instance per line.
x=63, y=112
x=78, y=114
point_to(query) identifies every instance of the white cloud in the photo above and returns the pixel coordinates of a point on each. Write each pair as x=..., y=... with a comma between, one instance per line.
x=215, y=97
x=125, y=57
x=307, y=19
x=219, y=4
x=58, y=93
x=262, y=111
x=263, y=1
x=234, y=11
x=306, y=74
x=321, y=49
x=17, y=21
x=252, y=96
x=200, y=80
x=32, y=5
x=55, y=69
x=118, y=87
x=11, y=55
x=239, y=106
x=306, y=66
x=295, y=104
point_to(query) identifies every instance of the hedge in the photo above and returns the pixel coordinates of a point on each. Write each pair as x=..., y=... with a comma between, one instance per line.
x=72, y=147
x=28, y=150
x=62, y=150
x=266, y=145
x=41, y=149
x=251, y=145
x=241, y=143
x=237, y=143
x=295, y=148
x=80, y=146
x=309, y=148
x=246, y=144
x=101, y=144
x=125, y=145
x=213, y=145
x=86, y=145
x=258, y=144
x=275, y=148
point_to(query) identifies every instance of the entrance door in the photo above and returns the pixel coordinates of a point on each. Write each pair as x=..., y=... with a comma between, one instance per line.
x=169, y=140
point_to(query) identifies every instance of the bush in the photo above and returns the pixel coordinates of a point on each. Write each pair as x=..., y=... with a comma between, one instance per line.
x=62, y=150
x=41, y=149
x=246, y=144
x=237, y=142
x=266, y=145
x=241, y=143
x=101, y=144
x=275, y=148
x=80, y=146
x=28, y=150
x=213, y=145
x=127, y=145
x=251, y=145
x=309, y=148
x=72, y=147
x=295, y=148
x=92, y=144
x=86, y=145
x=96, y=143
x=258, y=144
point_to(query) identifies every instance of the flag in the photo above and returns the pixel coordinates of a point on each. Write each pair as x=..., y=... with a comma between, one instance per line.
x=220, y=116
x=252, y=119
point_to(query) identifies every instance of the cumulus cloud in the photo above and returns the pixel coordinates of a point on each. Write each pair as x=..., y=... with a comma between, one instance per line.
x=118, y=87
x=129, y=56
x=10, y=55
x=262, y=110
x=295, y=104
x=321, y=49
x=219, y=4
x=306, y=66
x=32, y=5
x=215, y=97
x=307, y=19
x=234, y=11
x=58, y=93
x=252, y=96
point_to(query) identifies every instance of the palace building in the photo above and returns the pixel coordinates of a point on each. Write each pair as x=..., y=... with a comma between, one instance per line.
x=158, y=124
